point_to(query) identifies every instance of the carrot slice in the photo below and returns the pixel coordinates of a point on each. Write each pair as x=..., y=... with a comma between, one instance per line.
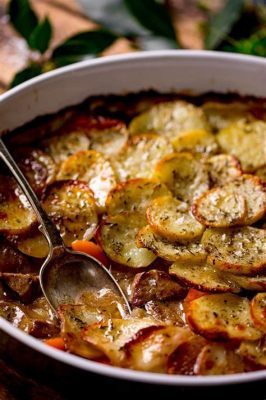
x=92, y=249
x=56, y=342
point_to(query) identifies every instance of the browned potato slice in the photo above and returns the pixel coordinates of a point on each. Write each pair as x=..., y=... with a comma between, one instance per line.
x=222, y=316
x=154, y=285
x=38, y=167
x=93, y=168
x=220, y=208
x=64, y=145
x=253, y=283
x=220, y=115
x=16, y=214
x=203, y=277
x=134, y=195
x=196, y=141
x=168, y=311
x=12, y=260
x=261, y=173
x=71, y=206
x=170, y=119
x=258, y=310
x=223, y=168
x=170, y=251
x=254, y=351
x=117, y=236
x=184, y=175
x=247, y=141
x=182, y=360
x=252, y=189
x=34, y=244
x=73, y=318
x=238, y=250
x=151, y=352
x=173, y=220
x=25, y=286
x=110, y=336
x=140, y=155
x=216, y=359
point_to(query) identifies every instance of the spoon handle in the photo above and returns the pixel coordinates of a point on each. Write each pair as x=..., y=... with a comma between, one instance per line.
x=47, y=227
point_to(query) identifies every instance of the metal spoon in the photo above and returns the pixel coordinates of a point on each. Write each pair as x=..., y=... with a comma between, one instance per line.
x=65, y=274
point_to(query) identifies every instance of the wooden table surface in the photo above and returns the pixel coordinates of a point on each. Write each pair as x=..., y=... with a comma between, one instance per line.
x=67, y=18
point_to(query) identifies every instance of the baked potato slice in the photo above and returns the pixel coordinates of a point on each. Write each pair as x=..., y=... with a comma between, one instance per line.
x=253, y=283
x=139, y=157
x=223, y=168
x=169, y=119
x=220, y=208
x=151, y=351
x=195, y=141
x=16, y=215
x=117, y=236
x=217, y=359
x=110, y=336
x=38, y=167
x=258, y=310
x=34, y=244
x=71, y=206
x=172, y=219
x=168, y=311
x=222, y=317
x=154, y=285
x=12, y=260
x=170, y=251
x=134, y=195
x=25, y=287
x=184, y=175
x=220, y=115
x=204, y=277
x=247, y=141
x=65, y=144
x=93, y=168
x=254, y=351
x=238, y=250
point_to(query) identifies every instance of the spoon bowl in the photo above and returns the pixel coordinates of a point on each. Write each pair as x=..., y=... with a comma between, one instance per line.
x=65, y=274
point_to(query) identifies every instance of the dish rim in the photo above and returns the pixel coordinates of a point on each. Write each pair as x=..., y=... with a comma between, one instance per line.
x=89, y=365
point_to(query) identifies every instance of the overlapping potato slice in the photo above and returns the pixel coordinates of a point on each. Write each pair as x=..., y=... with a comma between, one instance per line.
x=254, y=351
x=93, y=168
x=12, y=260
x=217, y=359
x=261, y=173
x=134, y=195
x=203, y=277
x=222, y=316
x=34, y=244
x=173, y=220
x=196, y=141
x=117, y=236
x=253, y=283
x=184, y=175
x=16, y=215
x=170, y=251
x=24, y=286
x=151, y=353
x=220, y=208
x=258, y=310
x=169, y=311
x=223, y=168
x=247, y=141
x=220, y=115
x=139, y=157
x=170, y=119
x=154, y=285
x=111, y=336
x=71, y=206
x=64, y=145
x=238, y=250
x=254, y=192
x=182, y=360
x=38, y=167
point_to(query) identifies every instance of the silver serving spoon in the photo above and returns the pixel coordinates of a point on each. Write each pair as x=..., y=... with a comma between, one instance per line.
x=65, y=274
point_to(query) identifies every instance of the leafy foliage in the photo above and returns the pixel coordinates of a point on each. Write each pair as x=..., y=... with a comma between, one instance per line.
x=41, y=36
x=27, y=73
x=22, y=17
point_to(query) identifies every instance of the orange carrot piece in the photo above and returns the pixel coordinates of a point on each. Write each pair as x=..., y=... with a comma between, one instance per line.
x=92, y=249
x=56, y=342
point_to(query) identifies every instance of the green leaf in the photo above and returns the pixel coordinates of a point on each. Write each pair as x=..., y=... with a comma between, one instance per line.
x=83, y=44
x=221, y=24
x=254, y=45
x=22, y=17
x=26, y=74
x=153, y=16
x=41, y=36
